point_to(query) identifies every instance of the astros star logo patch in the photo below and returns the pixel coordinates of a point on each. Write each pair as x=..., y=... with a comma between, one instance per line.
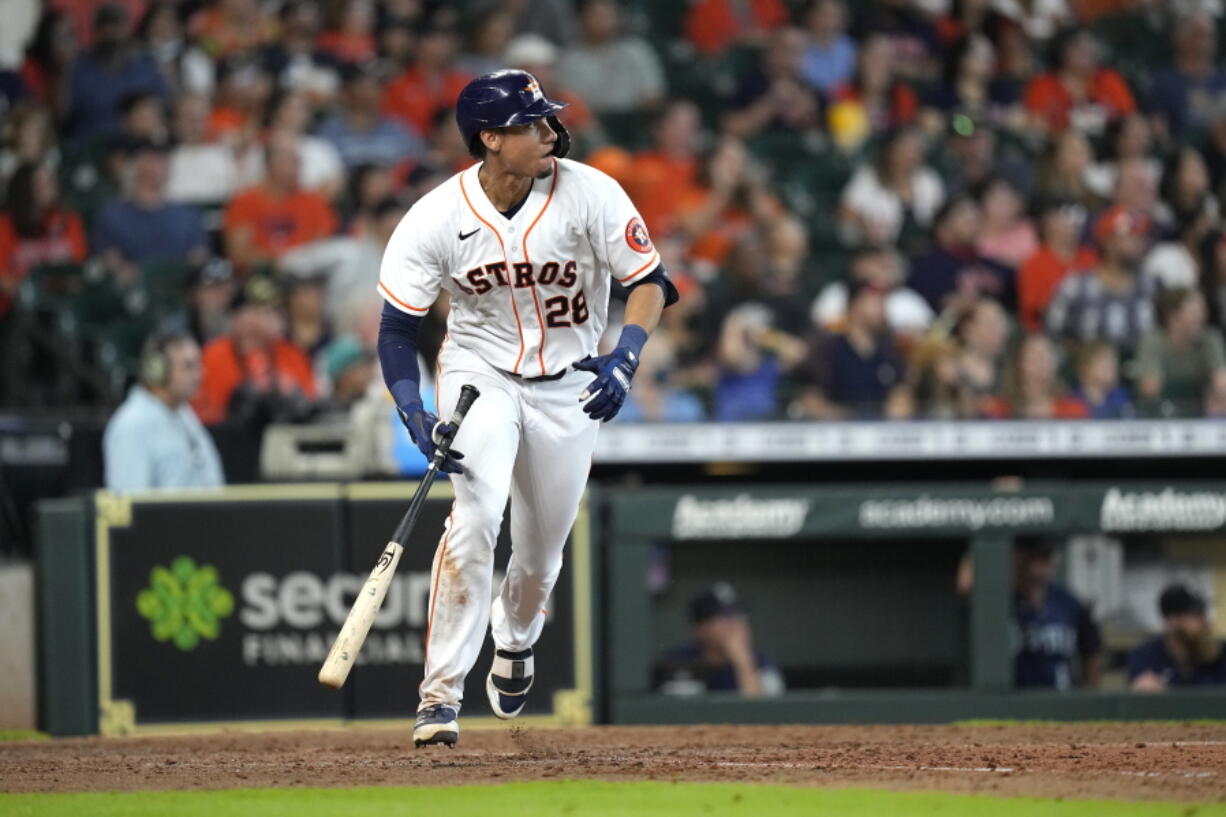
x=636, y=236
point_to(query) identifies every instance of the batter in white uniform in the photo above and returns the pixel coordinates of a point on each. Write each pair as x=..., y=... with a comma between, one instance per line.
x=526, y=244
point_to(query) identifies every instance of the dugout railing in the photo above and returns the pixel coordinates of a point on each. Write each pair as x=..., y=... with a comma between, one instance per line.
x=953, y=657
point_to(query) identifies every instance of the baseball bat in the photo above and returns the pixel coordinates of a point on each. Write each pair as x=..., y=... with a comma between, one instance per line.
x=366, y=606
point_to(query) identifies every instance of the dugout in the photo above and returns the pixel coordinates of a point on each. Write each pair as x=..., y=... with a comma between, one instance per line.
x=851, y=589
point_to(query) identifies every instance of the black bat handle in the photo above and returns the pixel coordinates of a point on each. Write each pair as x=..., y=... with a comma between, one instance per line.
x=468, y=394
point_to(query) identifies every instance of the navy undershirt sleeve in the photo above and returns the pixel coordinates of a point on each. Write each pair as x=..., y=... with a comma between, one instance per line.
x=659, y=277
x=398, y=355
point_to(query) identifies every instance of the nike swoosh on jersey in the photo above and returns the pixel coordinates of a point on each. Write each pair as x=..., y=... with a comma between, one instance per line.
x=464, y=235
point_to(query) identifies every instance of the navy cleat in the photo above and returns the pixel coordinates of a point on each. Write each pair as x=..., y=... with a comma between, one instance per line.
x=508, y=683
x=436, y=724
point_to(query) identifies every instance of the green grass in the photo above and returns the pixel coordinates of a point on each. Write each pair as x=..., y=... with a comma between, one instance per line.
x=21, y=734
x=581, y=798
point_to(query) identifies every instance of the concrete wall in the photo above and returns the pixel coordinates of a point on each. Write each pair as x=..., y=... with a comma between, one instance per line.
x=17, y=657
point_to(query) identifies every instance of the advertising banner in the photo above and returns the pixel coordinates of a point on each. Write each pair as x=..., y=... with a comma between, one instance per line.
x=221, y=609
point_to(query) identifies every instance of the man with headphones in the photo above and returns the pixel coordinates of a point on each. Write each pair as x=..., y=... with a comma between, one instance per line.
x=155, y=440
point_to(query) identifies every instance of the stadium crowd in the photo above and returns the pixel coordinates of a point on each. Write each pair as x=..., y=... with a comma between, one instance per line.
x=889, y=208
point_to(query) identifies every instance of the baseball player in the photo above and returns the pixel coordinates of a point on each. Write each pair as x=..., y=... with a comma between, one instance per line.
x=526, y=244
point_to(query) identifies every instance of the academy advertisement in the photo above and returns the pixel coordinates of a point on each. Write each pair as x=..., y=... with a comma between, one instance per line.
x=224, y=611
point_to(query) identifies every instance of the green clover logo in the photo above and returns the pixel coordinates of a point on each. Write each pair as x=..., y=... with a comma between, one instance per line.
x=184, y=603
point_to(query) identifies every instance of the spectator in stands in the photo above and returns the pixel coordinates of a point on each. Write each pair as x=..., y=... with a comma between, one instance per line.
x=659, y=178
x=753, y=357
x=295, y=60
x=731, y=199
x=968, y=86
x=906, y=313
x=895, y=192
x=1007, y=235
x=1038, y=20
x=1033, y=390
x=1098, y=382
x=143, y=227
x=1078, y=91
x=184, y=66
x=773, y=96
x=350, y=368
x=555, y=20
x=1186, y=187
x=49, y=57
x=539, y=57
x=934, y=388
x=909, y=33
x=243, y=90
x=349, y=35
x=1127, y=139
x=1186, y=654
x=28, y=137
x=252, y=374
x=143, y=117
x=319, y=164
x=263, y=222
x=1177, y=262
x=350, y=263
x=1060, y=643
x=852, y=374
x=952, y=274
x=1065, y=170
x=1060, y=225
x=306, y=322
x=983, y=332
x=201, y=171
x=1137, y=189
x=228, y=27
x=873, y=102
x=430, y=84
x=971, y=156
x=155, y=441
x=210, y=294
x=488, y=38
x=1213, y=276
x=1177, y=362
x=1112, y=302
x=721, y=656
x=1180, y=95
x=35, y=228
x=830, y=56
x=114, y=68
x=614, y=72
x=714, y=26
x=360, y=132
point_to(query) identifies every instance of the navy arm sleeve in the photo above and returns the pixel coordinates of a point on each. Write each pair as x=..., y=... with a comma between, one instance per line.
x=398, y=355
x=659, y=277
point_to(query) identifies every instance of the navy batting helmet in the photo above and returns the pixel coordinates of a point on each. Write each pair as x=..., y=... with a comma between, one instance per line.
x=505, y=98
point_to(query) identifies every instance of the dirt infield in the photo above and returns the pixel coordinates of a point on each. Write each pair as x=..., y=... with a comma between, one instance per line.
x=1117, y=761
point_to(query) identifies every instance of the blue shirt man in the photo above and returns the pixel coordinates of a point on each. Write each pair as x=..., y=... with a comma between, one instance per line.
x=361, y=133
x=143, y=227
x=1054, y=633
x=114, y=68
x=154, y=440
x=1186, y=654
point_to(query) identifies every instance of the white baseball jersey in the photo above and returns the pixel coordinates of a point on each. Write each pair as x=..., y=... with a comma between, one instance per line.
x=529, y=294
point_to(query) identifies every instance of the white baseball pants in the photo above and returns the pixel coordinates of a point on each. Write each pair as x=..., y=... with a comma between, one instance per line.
x=533, y=441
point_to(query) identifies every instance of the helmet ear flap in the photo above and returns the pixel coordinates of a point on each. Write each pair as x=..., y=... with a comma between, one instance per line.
x=562, y=146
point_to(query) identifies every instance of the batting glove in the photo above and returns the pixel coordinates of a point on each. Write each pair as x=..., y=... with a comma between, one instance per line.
x=427, y=431
x=613, y=374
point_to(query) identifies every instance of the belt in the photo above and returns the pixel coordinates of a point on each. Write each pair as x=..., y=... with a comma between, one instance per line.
x=541, y=378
